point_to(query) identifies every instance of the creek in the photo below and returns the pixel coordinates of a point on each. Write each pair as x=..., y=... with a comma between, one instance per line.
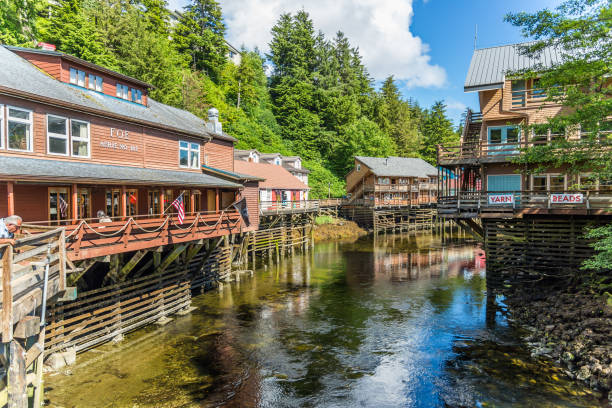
x=396, y=321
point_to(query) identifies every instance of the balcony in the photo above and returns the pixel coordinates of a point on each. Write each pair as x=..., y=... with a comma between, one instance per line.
x=501, y=204
x=385, y=188
x=89, y=238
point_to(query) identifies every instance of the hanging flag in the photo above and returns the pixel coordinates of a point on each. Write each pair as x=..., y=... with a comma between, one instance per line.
x=63, y=206
x=180, y=207
x=242, y=208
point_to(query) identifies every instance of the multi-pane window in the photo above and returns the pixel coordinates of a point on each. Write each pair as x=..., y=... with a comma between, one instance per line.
x=123, y=91
x=80, y=138
x=539, y=183
x=95, y=82
x=189, y=155
x=57, y=135
x=19, y=129
x=557, y=183
x=136, y=95
x=77, y=77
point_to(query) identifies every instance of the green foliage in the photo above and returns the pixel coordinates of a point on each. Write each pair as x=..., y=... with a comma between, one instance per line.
x=324, y=219
x=17, y=19
x=199, y=34
x=602, y=244
x=436, y=129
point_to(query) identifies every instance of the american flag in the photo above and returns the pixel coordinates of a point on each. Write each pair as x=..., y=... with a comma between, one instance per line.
x=63, y=206
x=180, y=207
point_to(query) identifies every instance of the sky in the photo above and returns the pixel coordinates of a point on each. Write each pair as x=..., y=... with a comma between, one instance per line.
x=425, y=44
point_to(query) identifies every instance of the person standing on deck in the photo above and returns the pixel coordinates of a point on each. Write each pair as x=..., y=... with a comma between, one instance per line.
x=8, y=227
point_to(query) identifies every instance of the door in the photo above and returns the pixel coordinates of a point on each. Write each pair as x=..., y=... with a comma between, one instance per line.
x=84, y=203
x=503, y=140
x=113, y=203
x=210, y=200
x=154, y=200
x=132, y=202
x=59, y=205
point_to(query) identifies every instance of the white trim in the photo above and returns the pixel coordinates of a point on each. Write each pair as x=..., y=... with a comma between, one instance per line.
x=548, y=176
x=80, y=139
x=29, y=122
x=65, y=136
x=189, y=150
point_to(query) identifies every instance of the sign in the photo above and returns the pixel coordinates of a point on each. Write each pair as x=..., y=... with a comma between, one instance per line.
x=501, y=199
x=118, y=134
x=46, y=46
x=566, y=198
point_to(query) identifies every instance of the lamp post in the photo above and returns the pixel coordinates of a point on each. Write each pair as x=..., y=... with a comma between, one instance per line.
x=329, y=189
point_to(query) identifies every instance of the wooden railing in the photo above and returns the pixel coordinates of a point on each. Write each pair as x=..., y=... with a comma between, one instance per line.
x=88, y=238
x=284, y=207
x=475, y=203
x=387, y=187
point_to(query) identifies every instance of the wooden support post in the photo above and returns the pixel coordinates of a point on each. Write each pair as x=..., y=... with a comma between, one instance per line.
x=10, y=198
x=7, y=294
x=38, y=384
x=217, y=204
x=74, y=205
x=17, y=387
x=192, y=202
x=123, y=201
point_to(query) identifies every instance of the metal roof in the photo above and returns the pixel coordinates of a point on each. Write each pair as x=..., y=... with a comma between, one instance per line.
x=230, y=174
x=398, y=166
x=64, y=170
x=489, y=66
x=21, y=76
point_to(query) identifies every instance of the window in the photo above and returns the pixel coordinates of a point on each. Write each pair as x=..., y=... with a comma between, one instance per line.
x=19, y=129
x=359, y=167
x=95, y=82
x=136, y=96
x=277, y=161
x=495, y=135
x=504, y=182
x=539, y=183
x=537, y=90
x=59, y=205
x=518, y=93
x=123, y=91
x=80, y=138
x=557, y=183
x=57, y=135
x=189, y=155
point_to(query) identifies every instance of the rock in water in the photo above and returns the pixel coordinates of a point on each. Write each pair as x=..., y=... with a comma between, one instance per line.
x=584, y=373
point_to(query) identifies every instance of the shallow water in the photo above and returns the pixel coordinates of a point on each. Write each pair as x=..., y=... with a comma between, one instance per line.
x=396, y=322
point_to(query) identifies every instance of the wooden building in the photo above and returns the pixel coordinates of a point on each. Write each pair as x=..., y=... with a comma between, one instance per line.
x=391, y=181
x=522, y=215
x=77, y=138
x=293, y=164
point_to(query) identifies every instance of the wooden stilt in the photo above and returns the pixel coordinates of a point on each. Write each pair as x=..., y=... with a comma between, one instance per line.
x=17, y=387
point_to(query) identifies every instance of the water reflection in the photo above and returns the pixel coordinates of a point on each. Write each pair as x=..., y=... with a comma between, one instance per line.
x=395, y=322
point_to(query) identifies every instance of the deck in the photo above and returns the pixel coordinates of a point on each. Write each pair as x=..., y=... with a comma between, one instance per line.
x=296, y=207
x=515, y=204
x=89, y=238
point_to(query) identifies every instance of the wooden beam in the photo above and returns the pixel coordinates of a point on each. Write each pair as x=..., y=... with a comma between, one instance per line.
x=131, y=264
x=10, y=197
x=123, y=201
x=17, y=387
x=75, y=202
x=7, y=294
x=217, y=206
x=178, y=249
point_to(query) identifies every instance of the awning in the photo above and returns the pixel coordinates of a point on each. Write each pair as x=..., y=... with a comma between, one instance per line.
x=25, y=168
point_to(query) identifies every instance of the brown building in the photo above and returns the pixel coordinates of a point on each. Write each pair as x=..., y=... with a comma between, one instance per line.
x=76, y=139
x=381, y=181
x=487, y=181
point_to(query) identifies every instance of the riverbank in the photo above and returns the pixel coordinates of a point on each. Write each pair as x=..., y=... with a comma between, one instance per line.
x=335, y=229
x=573, y=326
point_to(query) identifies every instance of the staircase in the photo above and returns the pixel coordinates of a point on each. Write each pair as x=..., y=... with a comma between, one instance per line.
x=472, y=127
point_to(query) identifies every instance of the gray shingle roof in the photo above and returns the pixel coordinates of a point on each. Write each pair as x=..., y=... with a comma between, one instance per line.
x=17, y=167
x=20, y=75
x=489, y=66
x=398, y=166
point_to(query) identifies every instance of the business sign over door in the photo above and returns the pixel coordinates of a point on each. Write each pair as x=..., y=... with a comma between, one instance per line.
x=499, y=199
x=567, y=198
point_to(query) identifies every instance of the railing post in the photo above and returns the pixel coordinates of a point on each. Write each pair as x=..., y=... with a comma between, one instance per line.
x=588, y=203
x=7, y=294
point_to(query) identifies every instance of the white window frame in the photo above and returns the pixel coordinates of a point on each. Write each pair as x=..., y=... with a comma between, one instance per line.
x=27, y=122
x=81, y=75
x=80, y=139
x=121, y=88
x=92, y=82
x=190, y=148
x=359, y=167
x=66, y=137
x=74, y=78
x=548, y=177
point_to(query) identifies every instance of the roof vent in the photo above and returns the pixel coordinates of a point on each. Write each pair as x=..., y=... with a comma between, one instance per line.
x=213, y=125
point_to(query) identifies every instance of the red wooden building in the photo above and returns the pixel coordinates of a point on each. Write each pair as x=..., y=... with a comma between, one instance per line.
x=77, y=138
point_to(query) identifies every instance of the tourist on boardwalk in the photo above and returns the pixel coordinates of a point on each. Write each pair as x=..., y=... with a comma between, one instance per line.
x=102, y=217
x=8, y=227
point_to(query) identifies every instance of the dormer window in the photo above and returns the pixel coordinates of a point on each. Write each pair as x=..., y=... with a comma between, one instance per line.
x=77, y=77
x=136, y=95
x=95, y=82
x=277, y=161
x=123, y=91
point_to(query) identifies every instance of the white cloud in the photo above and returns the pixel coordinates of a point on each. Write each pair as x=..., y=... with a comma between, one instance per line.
x=380, y=28
x=452, y=104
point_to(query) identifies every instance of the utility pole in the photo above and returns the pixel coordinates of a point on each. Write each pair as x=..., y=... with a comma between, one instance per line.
x=475, y=35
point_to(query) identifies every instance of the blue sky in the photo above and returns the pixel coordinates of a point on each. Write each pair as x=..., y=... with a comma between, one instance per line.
x=425, y=44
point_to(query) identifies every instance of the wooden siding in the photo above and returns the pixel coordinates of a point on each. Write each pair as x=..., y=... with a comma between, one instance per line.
x=51, y=64
x=251, y=193
x=220, y=154
x=145, y=147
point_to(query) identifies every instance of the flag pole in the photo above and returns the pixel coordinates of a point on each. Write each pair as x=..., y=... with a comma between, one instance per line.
x=180, y=195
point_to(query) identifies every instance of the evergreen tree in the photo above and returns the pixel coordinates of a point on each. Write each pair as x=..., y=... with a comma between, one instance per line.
x=200, y=34
x=436, y=129
x=17, y=21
